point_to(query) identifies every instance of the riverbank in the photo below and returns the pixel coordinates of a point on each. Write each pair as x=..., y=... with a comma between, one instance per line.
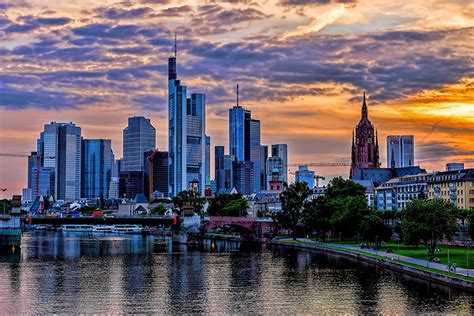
x=401, y=263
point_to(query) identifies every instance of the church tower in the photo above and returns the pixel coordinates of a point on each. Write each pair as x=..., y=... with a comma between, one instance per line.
x=365, y=145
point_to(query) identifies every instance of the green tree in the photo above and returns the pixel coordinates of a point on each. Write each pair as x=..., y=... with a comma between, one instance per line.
x=374, y=229
x=188, y=197
x=219, y=202
x=293, y=199
x=349, y=214
x=88, y=210
x=428, y=222
x=160, y=209
x=341, y=188
x=235, y=208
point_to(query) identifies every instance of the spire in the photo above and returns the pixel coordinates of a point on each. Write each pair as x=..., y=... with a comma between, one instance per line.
x=237, y=94
x=175, y=46
x=364, y=108
x=352, y=138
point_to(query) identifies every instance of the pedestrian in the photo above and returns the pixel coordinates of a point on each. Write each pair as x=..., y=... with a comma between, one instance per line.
x=454, y=267
x=449, y=267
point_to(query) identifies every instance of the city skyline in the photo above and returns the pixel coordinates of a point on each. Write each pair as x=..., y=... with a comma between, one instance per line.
x=305, y=95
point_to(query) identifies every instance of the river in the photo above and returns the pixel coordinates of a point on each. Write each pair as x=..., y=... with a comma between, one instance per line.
x=83, y=273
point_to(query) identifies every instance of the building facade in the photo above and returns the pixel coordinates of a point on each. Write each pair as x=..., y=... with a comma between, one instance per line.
x=59, y=146
x=396, y=193
x=96, y=168
x=452, y=166
x=208, y=161
x=400, y=151
x=274, y=163
x=263, y=167
x=365, y=148
x=131, y=183
x=455, y=186
x=138, y=137
x=242, y=173
x=281, y=150
x=219, y=175
x=303, y=174
x=157, y=173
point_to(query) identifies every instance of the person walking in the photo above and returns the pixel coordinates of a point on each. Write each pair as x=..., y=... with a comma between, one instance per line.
x=454, y=267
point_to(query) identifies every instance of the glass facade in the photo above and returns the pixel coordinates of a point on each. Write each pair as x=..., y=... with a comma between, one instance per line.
x=237, y=132
x=400, y=151
x=254, y=143
x=138, y=137
x=305, y=175
x=96, y=167
x=281, y=150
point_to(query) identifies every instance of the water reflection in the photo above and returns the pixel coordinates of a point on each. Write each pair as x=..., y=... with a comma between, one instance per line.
x=80, y=272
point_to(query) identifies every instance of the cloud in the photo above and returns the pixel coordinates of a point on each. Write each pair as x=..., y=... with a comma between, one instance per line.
x=29, y=23
x=119, y=14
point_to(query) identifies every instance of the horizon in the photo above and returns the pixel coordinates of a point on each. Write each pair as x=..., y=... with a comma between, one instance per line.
x=302, y=67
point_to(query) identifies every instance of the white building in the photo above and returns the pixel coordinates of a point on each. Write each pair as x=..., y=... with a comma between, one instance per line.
x=400, y=151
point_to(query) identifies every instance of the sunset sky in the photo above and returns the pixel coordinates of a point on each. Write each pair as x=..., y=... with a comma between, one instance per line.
x=302, y=67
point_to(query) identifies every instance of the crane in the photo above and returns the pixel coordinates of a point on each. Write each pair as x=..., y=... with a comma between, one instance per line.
x=21, y=155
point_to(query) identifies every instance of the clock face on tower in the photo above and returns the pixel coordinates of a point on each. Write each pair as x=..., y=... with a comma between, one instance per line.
x=369, y=141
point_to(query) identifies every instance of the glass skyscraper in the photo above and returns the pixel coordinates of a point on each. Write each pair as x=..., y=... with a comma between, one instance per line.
x=400, y=151
x=305, y=175
x=59, y=146
x=208, y=160
x=186, y=135
x=281, y=150
x=138, y=137
x=96, y=167
x=219, y=174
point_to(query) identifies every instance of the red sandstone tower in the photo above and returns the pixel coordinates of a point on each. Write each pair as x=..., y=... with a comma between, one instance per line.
x=365, y=145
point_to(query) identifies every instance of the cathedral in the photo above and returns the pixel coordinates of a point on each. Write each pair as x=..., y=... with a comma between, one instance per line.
x=365, y=144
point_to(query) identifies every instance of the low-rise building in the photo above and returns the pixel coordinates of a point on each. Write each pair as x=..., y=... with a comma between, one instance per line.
x=455, y=186
x=396, y=193
x=369, y=191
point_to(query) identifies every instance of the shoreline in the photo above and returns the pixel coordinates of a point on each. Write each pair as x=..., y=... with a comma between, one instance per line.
x=432, y=276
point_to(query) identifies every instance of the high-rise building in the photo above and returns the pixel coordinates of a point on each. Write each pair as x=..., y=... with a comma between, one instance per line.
x=219, y=173
x=244, y=140
x=131, y=183
x=96, y=168
x=59, y=146
x=400, y=151
x=186, y=136
x=228, y=172
x=44, y=183
x=365, y=145
x=281, y=150
x=274, y=164
x=208, y=160
x=263, y=167
x=138, y=137
x=242, y=174
x=303, y=174
x=117, y=167
x=114, y=188
x=157, y=172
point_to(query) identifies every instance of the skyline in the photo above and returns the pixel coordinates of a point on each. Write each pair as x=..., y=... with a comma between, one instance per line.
x=100, y=66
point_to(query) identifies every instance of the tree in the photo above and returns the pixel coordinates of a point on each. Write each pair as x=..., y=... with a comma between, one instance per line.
x=349, y=214
x=235, y=208
x=219, y=202
x=190, y=197
x=341, y=188
x=158, y=210
x=374, y=229
x=293, y=199
x=428, y=222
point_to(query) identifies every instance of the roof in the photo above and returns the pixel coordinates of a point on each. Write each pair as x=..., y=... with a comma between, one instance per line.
x=140, y=198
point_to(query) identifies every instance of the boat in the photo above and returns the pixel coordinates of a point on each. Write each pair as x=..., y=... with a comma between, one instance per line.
x=77, y=228
x=103, y=228
x=10, y=232
x=127, y=229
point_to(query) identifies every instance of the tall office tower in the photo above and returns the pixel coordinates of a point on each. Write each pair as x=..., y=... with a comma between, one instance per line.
x=208, y=160
x=44, y=183
x=365, y=144
x=244, y=140
x=131, y=183
x=157, y=172
x=117, y=167
x=219, y=173
x=114, y=188
x=281, y=150
x=242, y=176
x=138, y=137
x=186, y=135
x=96, y=168
x=274, y=163
x=228, y=171
x=34, y=162
x=60, y=147
x=305, y=175
x=400, y=151
x=263, y=167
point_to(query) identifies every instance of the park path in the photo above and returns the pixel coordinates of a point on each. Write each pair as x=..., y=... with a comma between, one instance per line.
x=394, y=256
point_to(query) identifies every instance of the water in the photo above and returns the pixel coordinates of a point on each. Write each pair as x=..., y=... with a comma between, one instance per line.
x=74, y=272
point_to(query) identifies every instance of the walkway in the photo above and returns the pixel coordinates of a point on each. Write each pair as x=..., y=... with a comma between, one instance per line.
x=393, y=256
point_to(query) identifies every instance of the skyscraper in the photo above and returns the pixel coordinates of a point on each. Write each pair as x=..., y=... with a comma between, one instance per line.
x=208, y=160
x=274, y=164
x=365, y=147
x=219, y=174
x=59, y=146
x=157, y=172
x=242, y=176
x=400, y=151
x=281, y=150
x=263, y=167
x=244, y=140
x=138, y=137
x=305, y=175
x=228, y=171
x=186, y=135
x=96, y=168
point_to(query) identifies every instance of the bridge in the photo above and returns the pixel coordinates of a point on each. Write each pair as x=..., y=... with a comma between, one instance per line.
x=259, y=227
x=145, y=221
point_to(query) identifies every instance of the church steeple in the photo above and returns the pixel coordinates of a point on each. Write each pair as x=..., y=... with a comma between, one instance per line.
x=364, y=108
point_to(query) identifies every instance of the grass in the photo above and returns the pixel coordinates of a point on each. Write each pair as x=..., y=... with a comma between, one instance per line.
x=442, y=272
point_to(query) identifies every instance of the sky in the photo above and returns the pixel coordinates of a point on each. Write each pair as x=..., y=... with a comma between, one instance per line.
x=301, y=65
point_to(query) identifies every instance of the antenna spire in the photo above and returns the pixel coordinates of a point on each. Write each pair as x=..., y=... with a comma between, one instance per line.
x=237, y=94
x=175, y=46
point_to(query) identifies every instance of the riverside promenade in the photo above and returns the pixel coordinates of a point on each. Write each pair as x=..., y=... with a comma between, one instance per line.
x=422, y=268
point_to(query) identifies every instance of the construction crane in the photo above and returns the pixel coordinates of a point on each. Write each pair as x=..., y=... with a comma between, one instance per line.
x=321, y=164
x=316, y=177
x=21, y=155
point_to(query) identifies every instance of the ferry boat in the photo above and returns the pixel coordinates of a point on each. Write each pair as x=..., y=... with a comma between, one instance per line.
x=127, y=229
x=77, y=228
x=103, y=229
